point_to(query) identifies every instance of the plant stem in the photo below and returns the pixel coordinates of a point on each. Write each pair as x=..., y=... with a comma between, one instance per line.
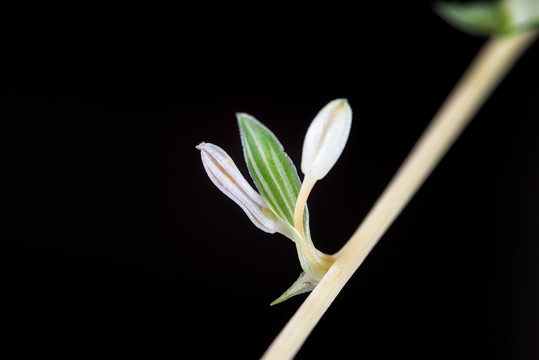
x=314, y=262
x=483, y=75
x=301, y=202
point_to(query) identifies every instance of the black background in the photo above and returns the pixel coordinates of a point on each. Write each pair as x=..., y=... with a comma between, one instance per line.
x=114, y=241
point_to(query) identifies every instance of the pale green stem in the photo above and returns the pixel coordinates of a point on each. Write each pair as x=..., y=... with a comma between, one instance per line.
x=301, y=202
x=314, y=262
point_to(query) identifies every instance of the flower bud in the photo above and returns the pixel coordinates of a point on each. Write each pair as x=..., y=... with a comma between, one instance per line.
x=325, y=138
x=226, y=176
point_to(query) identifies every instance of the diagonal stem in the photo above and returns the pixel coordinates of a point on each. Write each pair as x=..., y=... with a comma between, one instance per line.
x=482, y=77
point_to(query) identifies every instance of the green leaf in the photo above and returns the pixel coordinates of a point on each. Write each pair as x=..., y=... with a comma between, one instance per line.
x=491, y=18
x=478, y=18
x=273, y=172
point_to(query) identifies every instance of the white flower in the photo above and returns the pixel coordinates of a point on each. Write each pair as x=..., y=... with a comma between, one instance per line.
x=521, y=13
x=226, y=176
x=325, y=138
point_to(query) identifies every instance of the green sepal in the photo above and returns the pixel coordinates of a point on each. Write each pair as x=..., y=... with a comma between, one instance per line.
x=302, y=285
x=271, y=169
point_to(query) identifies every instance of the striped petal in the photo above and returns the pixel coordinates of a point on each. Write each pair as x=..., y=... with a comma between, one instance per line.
x=226, y=176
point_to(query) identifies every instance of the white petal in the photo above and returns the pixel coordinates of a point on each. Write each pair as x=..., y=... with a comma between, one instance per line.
x=326, y=138
x=226, y=176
